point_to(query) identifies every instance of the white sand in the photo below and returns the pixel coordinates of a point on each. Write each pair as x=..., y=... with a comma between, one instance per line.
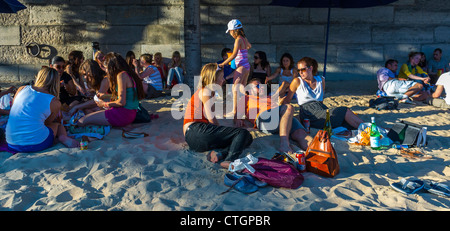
x=160, y=173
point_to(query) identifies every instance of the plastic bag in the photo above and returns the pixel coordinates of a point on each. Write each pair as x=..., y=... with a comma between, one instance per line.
x=363, y=136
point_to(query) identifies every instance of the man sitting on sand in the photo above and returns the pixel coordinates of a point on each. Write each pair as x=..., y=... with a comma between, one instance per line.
x=442, y=85
x=258, y=111
x=402, y=89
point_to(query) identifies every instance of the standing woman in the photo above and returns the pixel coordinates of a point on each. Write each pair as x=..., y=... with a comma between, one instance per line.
x=310, y=90
x=31, y=126
x=202, y=130
x=126, y=91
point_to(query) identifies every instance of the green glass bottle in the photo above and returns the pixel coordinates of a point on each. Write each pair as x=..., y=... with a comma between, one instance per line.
x=375, y=135
x=327, y=126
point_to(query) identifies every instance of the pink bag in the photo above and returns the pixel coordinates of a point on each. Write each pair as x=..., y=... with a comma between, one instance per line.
x=276, y=173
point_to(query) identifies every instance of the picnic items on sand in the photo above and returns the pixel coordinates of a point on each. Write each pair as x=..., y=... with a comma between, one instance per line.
x=384, y=103
x=276, y=173
x=414, y=185
x=321, y=156
x=407, y=133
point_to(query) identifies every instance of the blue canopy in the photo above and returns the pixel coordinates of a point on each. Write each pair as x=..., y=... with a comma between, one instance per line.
x=330, y=4
x=11, y=6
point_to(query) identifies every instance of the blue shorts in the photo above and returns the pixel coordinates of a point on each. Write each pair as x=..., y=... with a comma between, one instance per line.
x=47, y=143
x=266, y=126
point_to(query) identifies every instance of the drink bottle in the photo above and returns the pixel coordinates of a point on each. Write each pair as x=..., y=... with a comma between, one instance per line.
x=375, y=135
x=327, y=126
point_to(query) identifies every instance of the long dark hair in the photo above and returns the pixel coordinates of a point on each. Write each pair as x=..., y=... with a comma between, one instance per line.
x=95, y=72
x=116, y=64
x=262, y=55
x=289, y=56
x=75, y=59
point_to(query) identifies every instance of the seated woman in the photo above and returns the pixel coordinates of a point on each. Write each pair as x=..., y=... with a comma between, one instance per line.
x=286, y=72
x=97, y=82
x=176, y=68
x=310, y=89
x=126, y=89
x=412, y=71
x=31, y=126
x=202, y=130
x=260, y=68
x=150, y=75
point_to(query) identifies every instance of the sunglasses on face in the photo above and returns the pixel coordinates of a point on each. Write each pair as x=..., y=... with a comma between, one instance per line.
x=301, y=70
x=255, y=57
x=59, y=67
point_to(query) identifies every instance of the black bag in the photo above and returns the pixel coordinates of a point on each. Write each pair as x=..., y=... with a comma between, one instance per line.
x=384, y=103
x=142, y=115
x=407, y=133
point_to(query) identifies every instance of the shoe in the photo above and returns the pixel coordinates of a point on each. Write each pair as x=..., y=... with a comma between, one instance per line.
x=408, y=186
x=407, y=101
x=438, y=189
x=241, y=184
x=251, y=179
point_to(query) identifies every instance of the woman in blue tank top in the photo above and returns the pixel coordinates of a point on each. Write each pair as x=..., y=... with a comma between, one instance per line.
x=30, y=125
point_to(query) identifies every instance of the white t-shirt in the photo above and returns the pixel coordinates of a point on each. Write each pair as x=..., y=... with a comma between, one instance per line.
x=444, y=80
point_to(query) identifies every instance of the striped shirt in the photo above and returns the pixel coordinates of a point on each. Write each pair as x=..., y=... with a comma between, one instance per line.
x=154, y=79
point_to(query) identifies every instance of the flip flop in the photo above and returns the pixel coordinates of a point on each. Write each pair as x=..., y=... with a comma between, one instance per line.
x=251, y=179
x=438, y=189
x=133, y=135
x=408, y=186
x=241, y=184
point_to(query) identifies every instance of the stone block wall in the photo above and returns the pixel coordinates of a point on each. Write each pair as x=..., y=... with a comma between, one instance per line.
x=360, y=40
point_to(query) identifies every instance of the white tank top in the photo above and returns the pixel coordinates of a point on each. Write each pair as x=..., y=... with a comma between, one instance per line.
x=27, y=116
x=305, y=94
x=285, y=78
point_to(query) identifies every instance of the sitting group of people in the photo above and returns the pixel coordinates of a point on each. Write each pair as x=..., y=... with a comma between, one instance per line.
x=107, y=89
x=412, y=82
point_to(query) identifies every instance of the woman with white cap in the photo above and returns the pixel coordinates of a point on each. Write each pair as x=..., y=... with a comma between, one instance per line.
x=240, y=54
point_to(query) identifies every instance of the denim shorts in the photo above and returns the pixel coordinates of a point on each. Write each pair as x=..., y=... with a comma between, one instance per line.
x=265, y=125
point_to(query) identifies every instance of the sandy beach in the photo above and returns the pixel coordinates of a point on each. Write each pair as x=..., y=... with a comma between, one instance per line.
x=159, y=173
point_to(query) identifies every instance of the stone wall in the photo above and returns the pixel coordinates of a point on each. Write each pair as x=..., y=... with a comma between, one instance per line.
x=360, y=40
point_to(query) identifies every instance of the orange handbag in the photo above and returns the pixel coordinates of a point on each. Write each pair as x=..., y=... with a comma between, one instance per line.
x=321, y=157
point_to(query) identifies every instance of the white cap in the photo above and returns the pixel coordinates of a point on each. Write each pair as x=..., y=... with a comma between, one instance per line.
x=233, y=25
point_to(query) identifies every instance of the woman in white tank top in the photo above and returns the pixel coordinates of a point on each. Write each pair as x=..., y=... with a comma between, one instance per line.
x=30, y=126
x=310, y=89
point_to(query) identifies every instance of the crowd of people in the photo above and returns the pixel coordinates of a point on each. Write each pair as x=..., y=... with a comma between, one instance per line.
x=109, y=87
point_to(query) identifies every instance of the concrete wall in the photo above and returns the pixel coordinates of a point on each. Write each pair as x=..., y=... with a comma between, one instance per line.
x=360, y=40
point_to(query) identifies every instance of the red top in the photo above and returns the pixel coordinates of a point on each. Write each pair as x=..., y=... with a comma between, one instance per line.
x=195, y=110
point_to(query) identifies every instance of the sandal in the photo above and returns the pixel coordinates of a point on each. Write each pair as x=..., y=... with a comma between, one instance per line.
x=438, y=189
x=133, y=135
x=408, y=186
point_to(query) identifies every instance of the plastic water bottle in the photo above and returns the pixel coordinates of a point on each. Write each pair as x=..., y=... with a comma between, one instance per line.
x=375, y=135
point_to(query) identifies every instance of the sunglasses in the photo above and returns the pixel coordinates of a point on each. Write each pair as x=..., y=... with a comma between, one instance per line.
x=301, y=70
x=59, y=67
x=255, y=57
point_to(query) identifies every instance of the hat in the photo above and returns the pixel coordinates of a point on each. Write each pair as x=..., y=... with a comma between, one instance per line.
x=234, y=24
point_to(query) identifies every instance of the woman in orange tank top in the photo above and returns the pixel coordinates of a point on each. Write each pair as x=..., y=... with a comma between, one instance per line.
x=202, y=130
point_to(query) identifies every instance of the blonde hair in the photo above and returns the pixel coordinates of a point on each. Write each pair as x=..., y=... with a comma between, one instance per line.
x=209, y=74
x=48, y=78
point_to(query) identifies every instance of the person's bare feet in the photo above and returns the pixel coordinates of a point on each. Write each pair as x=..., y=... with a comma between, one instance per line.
x=68, y=142
x=214, y=156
